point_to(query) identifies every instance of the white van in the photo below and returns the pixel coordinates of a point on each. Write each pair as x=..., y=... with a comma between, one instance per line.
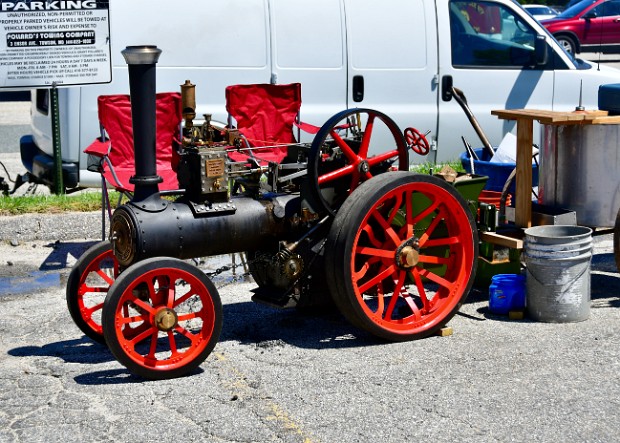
x=395, y=56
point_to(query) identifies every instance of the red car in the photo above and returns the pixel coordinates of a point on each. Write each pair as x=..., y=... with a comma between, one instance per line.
x=592, y=25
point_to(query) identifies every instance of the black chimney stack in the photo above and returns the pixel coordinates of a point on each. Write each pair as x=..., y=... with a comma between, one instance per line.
x=141, y=62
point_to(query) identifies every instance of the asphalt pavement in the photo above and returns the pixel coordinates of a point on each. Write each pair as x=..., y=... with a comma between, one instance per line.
x=298, y=376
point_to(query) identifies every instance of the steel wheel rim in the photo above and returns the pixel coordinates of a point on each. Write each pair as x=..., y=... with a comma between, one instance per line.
x=431, y=284
x=568, y=47
x=96, y=272
x=138, y=319
x=358, y=164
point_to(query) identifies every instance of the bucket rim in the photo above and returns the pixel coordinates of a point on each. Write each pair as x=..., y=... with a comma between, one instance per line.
x=581, y=231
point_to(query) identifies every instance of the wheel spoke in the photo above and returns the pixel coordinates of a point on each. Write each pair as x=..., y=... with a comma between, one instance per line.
x=433, y=260
x=437, y=279
x=345, y=148
x=153, y=348
x=184, y=298
x=431, y=228
x=371, y=236
x=395, y=295
x=387, y=227
x=415, y=311
x=380, y=158
x=377, y=279
x=139, y=338
x=358, y=275
x=133, y=319
x=367, y=135
x=143, y=305
x=190, y=316
x=335, y=175
x=446, y=241
x=84, y=289
x=185, y=333
x=173, y=344
x=421, y=289
x=365, y=250
x=89, y=311
x=105, y=276
x=428, y=211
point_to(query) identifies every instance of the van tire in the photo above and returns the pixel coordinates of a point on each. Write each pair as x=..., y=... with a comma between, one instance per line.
x=568, y=43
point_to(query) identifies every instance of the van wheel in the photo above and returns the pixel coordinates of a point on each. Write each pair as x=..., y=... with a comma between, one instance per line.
x=351, y=147
x=568, y=43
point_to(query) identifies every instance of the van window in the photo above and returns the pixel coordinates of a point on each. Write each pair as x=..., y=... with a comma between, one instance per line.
x=372, y=26
x=486, y=34
x=298, y=42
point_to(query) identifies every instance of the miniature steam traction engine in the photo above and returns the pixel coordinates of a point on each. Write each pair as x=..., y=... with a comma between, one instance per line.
x=397, y=249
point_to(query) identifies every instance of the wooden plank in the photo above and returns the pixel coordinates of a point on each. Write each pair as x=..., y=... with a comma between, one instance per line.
x=501, y=240
x=550, y=117
x=609, y=120
x=523, y=187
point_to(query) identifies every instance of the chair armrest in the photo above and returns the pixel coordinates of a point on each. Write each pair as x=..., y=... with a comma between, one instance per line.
x=98, y=148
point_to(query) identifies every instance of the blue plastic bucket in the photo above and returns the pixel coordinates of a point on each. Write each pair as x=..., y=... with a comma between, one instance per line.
x=497, y=172
x=506, y=293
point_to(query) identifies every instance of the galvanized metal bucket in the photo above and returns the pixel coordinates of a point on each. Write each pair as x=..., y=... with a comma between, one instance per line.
x=558, y=262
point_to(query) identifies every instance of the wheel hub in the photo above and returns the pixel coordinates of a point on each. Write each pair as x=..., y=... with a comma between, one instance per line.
x=166, y=319
x=407, y=254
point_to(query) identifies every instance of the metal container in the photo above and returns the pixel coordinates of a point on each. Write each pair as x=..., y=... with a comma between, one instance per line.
x=580, y=171
x=558, y=262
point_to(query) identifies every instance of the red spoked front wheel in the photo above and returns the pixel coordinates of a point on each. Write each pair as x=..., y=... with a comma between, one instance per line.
x=162, y=318
x=350, y=148
x=401, y=255
x=87, y=286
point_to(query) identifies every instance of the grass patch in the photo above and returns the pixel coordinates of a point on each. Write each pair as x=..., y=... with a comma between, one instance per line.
x=53, y=204
x=426, y=168
x=91, y=201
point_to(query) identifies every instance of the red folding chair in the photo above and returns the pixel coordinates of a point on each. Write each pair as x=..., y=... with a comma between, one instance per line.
x=113, y=152
x=265, y=115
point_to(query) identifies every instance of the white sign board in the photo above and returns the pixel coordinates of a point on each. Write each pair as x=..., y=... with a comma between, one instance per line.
x=54, y=42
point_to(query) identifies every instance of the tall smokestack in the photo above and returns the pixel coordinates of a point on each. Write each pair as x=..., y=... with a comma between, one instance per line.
x=141, y=62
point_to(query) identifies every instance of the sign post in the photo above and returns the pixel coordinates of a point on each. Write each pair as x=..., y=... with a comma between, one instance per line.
x=51, y=44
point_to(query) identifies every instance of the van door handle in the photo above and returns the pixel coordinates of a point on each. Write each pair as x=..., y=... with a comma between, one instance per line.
x=358, y=88
x=446, y=88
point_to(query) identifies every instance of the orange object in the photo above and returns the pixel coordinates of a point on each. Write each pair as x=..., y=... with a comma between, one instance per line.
x=493, y=198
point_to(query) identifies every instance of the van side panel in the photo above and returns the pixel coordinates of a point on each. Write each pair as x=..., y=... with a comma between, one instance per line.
x=213, y=43
x=392, y=45
x=308, y=46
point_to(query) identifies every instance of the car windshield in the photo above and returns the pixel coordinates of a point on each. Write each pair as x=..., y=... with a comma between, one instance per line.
x=575, y=10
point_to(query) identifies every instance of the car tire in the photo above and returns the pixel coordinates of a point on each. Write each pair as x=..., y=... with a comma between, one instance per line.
x=568, y=43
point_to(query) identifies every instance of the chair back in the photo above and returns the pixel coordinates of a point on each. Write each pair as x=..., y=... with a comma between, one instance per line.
x=115, y=117
x=265, y=115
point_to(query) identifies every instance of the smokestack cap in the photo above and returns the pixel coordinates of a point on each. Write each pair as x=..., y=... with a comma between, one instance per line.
x=141, y=55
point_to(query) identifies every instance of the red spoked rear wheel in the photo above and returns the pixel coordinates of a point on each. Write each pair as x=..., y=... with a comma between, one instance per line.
x=350, y=148
x=401, y=255
x=87, y=286
x=162, y=318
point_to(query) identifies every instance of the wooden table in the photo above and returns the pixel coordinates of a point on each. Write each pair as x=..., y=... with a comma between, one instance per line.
x=525, y=138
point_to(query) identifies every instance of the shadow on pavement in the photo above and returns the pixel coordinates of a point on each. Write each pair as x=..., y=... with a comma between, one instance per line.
x=83, y=350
